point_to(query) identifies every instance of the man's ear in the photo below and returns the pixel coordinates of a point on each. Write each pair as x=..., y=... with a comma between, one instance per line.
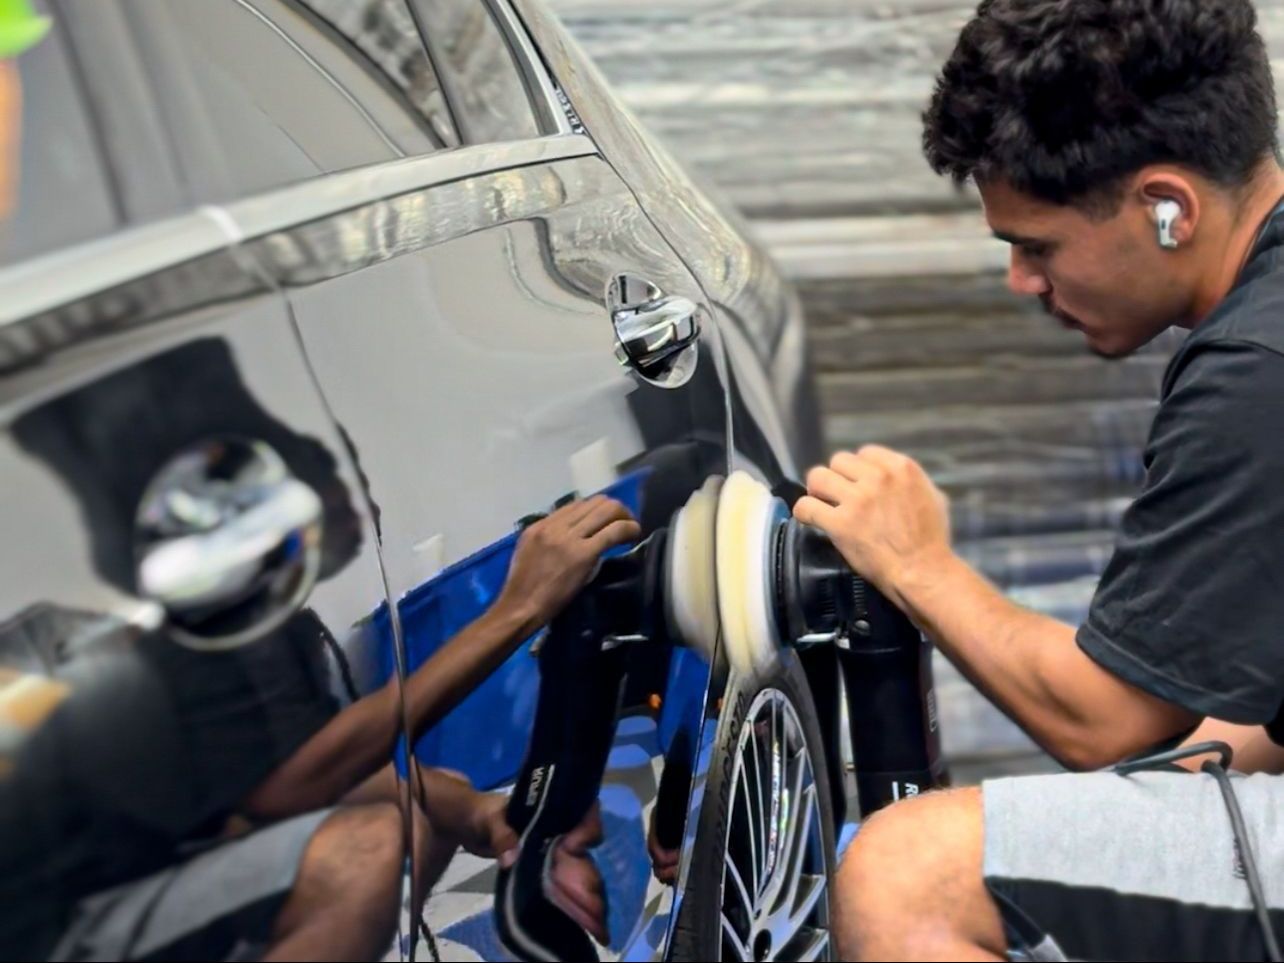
x=1172, y=204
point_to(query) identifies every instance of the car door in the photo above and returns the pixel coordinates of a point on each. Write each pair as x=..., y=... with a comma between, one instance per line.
x=190, y=592
x=460, y=311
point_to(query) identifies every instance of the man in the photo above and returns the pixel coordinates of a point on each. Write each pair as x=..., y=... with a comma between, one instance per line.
x=1126, y=149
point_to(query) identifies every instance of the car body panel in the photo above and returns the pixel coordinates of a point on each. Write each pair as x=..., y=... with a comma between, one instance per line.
x=469, y=413
x=424, y=333
x=146, y=742
x=737, y=275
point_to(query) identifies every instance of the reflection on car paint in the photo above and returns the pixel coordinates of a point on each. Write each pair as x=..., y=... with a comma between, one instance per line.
x=484, y=737
x=491, y=262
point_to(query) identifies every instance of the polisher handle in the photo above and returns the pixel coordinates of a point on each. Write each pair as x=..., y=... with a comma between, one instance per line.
x=887, y=672
x=581, y=677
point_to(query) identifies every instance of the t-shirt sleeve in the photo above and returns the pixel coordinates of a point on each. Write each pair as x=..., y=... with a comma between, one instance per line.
x=1191, y=606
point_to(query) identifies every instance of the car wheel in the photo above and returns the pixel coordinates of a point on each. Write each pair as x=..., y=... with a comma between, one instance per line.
x=762, y=867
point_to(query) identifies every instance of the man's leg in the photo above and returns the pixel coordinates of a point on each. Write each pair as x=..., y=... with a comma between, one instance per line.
x=347, y=896
x=911, y=886
x=1091, y=866
x=435, y=845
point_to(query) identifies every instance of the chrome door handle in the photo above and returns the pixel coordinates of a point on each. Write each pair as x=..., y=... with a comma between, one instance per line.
x=228, y=541
x=651, y=330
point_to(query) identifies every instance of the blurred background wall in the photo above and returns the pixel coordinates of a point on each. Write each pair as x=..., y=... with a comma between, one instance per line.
x=805, y=115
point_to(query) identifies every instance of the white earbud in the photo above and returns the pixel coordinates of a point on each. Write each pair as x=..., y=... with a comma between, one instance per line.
x=1166, y=214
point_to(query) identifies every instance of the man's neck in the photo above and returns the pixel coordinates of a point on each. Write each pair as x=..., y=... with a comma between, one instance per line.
x=1242, y=230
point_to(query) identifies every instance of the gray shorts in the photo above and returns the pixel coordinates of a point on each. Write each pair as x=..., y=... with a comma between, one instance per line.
x=1098, y=866
x=221, y=904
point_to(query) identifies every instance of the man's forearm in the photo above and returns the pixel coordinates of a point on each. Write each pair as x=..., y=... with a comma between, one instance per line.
x=1031, y=666
x=1254, y=749
x=463, y=663
x=360, y=739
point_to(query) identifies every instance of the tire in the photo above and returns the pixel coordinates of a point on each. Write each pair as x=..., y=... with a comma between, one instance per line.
x=714, y=922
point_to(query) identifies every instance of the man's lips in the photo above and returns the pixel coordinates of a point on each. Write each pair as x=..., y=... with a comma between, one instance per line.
x=1067, y=320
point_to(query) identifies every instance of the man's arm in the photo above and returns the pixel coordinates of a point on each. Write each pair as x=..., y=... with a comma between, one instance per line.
x=555, y=558
x=1031, y=666
x=1255, y=751
x=892, y=526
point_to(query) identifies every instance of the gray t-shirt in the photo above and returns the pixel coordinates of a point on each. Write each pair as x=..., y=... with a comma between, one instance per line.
x=1191, y=606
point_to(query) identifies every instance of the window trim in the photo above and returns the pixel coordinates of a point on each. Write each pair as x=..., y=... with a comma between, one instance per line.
x=322, y=197
x=71, y=274
x=301, y=49
x=548, y=118
x=363, y=60
x=535, y=76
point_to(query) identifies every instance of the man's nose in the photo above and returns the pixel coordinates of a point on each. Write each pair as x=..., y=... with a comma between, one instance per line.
x=1022, y=279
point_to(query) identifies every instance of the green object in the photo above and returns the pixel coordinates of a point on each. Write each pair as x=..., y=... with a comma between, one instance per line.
x=21, y=28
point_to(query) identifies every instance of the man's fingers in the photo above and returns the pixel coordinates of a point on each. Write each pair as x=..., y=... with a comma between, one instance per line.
x=665, y=861
x=885, y=458
x=814, y=512
x=574, y=513
x=604, y=511
x=576, y=888
x=586, y=835
x=848, y=465
x=828, y=486
x=504, y=838
x=619, y=532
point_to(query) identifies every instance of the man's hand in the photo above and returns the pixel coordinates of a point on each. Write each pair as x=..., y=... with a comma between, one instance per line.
x=881, y=511
x=664, y=861
x=491, y=835
x=557, y=556
x=574, y=884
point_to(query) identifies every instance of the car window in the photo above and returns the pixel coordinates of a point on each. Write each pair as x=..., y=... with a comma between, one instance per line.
x=483, y=82
x=384, y=32
x=258, y=95
x=54, y=188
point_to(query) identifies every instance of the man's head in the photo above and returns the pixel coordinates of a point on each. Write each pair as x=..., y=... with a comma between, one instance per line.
x=1078, y=118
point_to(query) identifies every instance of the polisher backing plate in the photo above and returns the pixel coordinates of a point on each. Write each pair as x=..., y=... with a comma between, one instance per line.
x=748, y=514
x=690, y=581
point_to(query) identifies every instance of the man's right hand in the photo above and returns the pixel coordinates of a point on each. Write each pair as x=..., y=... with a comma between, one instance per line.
x=556, y=556
x=882, y=513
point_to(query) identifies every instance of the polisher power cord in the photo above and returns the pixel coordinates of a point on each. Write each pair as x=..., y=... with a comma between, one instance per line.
x=1218, y=771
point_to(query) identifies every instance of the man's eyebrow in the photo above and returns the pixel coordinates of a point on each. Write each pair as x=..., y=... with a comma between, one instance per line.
x=1018, y=239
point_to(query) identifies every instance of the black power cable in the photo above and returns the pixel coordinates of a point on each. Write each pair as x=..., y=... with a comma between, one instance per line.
x=1218, y=771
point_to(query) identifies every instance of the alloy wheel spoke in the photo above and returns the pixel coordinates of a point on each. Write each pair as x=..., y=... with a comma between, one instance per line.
x=729, y=935
x=814, y=946
x=776, y=907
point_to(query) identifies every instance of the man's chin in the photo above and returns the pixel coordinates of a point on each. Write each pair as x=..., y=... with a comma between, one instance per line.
x=1111, y=350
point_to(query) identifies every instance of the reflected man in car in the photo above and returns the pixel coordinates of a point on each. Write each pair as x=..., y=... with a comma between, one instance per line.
x=211, y=804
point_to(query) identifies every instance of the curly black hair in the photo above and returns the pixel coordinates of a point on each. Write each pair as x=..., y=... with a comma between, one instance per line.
x=1065, y=98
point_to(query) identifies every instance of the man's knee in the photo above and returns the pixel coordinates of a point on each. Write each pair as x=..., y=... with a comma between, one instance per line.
x=357, y=848
x=347, y=893
x=916, y=867
x=924, y=834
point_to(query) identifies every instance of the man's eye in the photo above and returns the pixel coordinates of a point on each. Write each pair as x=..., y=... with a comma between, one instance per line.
x=1034, y=250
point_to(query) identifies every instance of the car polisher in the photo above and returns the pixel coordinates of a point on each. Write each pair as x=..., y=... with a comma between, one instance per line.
x=661, y=591
x=734, y=564
x=782, y=583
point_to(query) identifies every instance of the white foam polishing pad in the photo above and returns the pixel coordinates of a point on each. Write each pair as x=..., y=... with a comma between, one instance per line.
x=691, y=589
x=748, y=515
